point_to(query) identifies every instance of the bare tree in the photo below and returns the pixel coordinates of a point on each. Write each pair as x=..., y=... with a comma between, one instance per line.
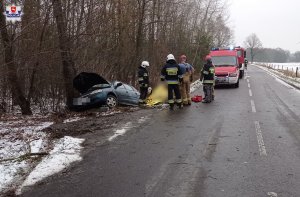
x=253, y=43
x=11, y=65
x=56, y=38
x=64, y=45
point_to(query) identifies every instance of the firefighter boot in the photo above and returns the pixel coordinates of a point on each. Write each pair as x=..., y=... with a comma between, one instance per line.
x=180, y=105
x=171, y=106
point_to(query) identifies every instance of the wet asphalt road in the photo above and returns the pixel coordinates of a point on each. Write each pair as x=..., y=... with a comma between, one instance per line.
x=246, y=143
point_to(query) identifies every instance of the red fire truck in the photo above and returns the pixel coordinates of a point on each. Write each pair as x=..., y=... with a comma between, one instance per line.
x=227, y=66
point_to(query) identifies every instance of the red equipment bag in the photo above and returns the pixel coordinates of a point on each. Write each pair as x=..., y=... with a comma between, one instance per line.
x=197, y=99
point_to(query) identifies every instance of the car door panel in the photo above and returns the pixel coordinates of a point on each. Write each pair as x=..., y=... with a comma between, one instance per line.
x=123, y=95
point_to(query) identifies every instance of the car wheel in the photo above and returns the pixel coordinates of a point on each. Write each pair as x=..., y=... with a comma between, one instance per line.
x=241, y=74
x=237, y=84
x=111, y=101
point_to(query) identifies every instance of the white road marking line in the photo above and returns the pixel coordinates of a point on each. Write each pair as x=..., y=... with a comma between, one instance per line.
x=253, y=106
x=260, y=140
x=248, y=80
x=249, y=85
x=250, y=93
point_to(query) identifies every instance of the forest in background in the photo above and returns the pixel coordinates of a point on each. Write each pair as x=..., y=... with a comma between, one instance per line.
x=277, y=55
x=58, y=39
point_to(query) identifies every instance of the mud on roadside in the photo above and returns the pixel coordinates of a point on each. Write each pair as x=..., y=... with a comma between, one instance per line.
x=94, y=125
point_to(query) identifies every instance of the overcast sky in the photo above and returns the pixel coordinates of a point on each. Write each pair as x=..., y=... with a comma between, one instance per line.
x=275, y=22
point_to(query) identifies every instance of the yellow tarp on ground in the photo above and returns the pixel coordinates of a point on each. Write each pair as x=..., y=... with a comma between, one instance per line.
x=159, y=95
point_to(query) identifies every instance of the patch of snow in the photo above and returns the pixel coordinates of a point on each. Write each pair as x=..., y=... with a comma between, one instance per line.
x=126, y=127
x=283, y=66
x=142, y=120
x=19, y=137
x=74, y=119
x=290, y=82
x=272, y=194
x=11, y=172
x=66, y=151
x=121, y=131
x=108, y=113
x=36, y=146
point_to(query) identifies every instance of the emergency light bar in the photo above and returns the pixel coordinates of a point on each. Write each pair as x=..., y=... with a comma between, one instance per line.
x=221, y=48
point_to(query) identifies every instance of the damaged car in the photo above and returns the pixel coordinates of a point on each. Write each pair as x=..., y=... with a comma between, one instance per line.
x=95, y=91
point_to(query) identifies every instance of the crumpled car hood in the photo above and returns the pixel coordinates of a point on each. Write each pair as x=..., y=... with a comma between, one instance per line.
x=84, y=81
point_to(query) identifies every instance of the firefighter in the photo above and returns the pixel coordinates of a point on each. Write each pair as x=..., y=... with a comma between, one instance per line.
x=143, y=77
x=246, y=63
x=171, y=73
x=208, y=75
x=187, y=71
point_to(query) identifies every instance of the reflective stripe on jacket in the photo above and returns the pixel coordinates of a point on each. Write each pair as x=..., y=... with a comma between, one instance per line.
x=208, y=73
x=171, y=72
x=143, y=77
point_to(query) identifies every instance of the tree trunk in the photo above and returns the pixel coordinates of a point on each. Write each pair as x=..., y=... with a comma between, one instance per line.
x=252, y=55
x=64, y=45
x=11, y=67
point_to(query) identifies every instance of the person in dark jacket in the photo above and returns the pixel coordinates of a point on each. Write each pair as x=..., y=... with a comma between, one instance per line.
x=208, y=75
x=172, y=74
x=143, y=77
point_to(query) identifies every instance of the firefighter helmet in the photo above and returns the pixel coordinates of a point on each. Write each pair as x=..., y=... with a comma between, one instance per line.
x=145, y=64
x=207, y=58
x=170, y=57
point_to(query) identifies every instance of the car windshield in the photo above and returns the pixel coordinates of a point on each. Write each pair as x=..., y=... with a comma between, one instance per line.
x=101, y=86
x=224, y=61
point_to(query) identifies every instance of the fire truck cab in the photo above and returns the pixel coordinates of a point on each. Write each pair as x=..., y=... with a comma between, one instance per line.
x=227, y=68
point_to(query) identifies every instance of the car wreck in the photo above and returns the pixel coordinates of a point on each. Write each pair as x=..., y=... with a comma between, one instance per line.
x=95, y=91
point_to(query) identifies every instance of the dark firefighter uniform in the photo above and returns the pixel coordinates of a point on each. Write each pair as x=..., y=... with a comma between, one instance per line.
x=143, y=77
x=208, y=75
x=172, y=74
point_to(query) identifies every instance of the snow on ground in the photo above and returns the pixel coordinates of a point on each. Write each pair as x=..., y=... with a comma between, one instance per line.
x=283, y=66
x=126, y=127
x=10, y=173
x=121, y=131
x=108, y=113
x=66, y=151
x=74, y=119
x=295, y=82
x=19, y=137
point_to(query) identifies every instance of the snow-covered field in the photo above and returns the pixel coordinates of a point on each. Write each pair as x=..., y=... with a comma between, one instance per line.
x=291, y=80
x=283, y=66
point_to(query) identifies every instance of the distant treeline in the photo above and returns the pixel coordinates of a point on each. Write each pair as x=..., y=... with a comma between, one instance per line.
x=277, y=55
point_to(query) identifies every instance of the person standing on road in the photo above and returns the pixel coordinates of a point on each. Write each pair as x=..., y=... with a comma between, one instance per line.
x=246, y=63
x=187, y=71
x=143, y=77
x=172, y=74
x=208, y=76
